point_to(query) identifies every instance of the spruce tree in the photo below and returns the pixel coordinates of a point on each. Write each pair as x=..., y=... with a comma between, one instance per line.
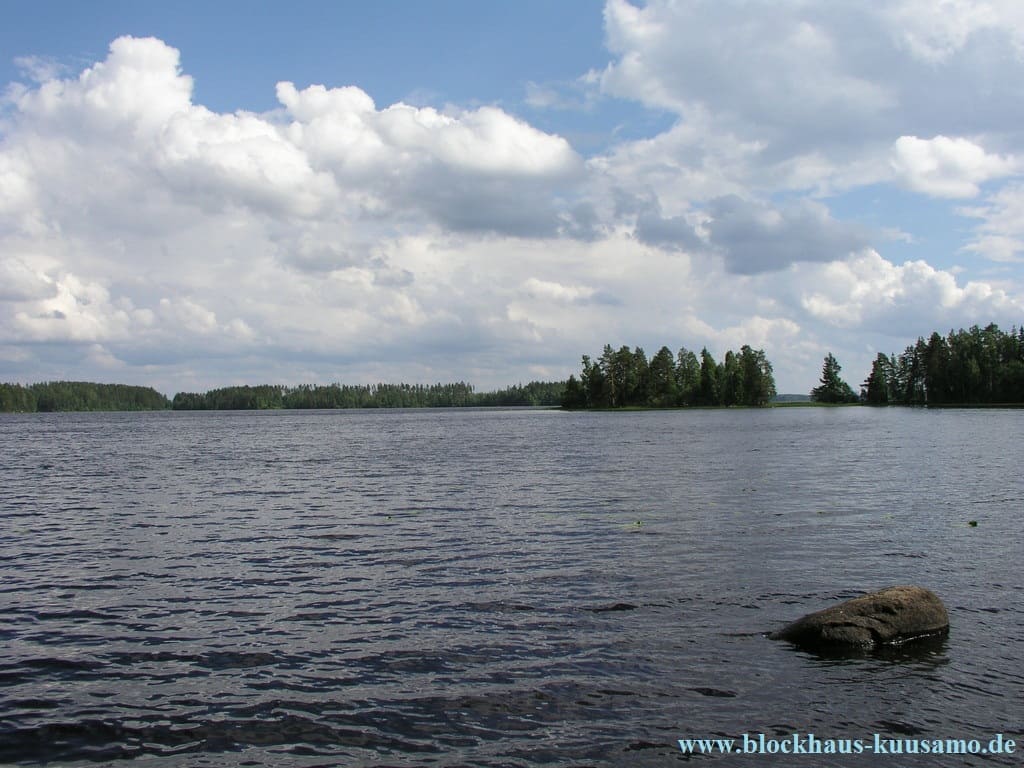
x=832, y=389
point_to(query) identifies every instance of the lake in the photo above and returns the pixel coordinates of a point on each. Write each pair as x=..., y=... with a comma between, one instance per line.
x=498, y=587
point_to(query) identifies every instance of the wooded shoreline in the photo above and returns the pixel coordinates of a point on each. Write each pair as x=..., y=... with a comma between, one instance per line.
x=974, y=368
x=87, y=396
x=101, y=407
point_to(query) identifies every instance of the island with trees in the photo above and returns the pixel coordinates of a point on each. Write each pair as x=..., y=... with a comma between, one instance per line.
x=79, y=396
x=625, y=378
x=832, y=389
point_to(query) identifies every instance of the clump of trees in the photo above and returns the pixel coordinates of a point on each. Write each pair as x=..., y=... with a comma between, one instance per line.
x=15, y=398
x=79, y=396
x=832, y=389
x=307, y=396
x=966, y=367
x=626, y=378
x=534, y=393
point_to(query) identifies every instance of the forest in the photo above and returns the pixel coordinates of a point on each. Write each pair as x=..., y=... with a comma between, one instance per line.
x=625, y=378
x=86, y=396
x=977, y=366
x=79, y=396
x=368, y=396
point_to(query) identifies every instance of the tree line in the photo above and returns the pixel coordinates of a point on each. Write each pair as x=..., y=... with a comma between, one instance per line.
x=977, y=366
x=457, y=395
x=86, y=396
x=625, y=378
x=79, y=396
x=966, y=367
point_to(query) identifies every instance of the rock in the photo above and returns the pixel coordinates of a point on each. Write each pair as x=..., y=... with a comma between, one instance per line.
x=892, y=616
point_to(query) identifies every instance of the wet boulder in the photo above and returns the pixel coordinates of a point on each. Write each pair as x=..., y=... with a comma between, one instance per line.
x=891, y=616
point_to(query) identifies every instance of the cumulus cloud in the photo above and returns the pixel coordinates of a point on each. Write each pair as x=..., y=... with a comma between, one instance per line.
x=933, y=32
x=79, y=311
x=216, y=160
x=823, y=90
x=947, y=167
x=20, y=282
x=1001, y=233
x=159, y=229
x=754, y=237
x=337, y=239
x=330, y=123
x=867, y=290
x=547, y=289
x=761, y=64
x=133, y=93
x=130, y=122
x=473, y=170
x=692, y=161
x=560, y=293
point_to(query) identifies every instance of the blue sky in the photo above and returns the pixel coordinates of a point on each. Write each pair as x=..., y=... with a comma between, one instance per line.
x=200, y=194
x=465, y=52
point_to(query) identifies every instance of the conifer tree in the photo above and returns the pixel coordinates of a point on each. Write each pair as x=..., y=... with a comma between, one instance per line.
x=832, y=388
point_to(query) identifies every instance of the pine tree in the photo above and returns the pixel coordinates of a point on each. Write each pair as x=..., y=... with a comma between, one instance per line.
x=832, y=389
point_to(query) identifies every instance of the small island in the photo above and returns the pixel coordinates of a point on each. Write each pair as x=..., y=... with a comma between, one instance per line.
x=625, y=379
x=79, y=396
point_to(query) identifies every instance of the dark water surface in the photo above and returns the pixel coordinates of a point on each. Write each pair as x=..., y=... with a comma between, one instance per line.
x=496, y=587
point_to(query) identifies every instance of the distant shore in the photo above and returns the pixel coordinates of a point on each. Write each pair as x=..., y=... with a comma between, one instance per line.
x=85, y=397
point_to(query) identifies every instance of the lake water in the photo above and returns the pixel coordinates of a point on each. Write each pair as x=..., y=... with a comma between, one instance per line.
x=497, y=587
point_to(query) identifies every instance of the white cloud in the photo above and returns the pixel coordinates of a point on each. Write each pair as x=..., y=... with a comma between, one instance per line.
x=542, y=96
x=21, y=282
x=80, y=311
x=128, y=127
x=554, y=291
x=947, y=167
x=331, y=123
x=693, y=161
x=188, y=315
x=1001, y=233
x=934, y=30
x=1000, y=248
x=334, y=239
x=165, y=230
x=135, y=90
x=821, y=90
x=581, y=94
x=473, y=170
x=869, y=292
x=755, y=64
x=213, y=159
x=102, y=358
x=39, y=68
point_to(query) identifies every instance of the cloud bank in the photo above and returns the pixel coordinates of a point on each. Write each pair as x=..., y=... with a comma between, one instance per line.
x=147, y=238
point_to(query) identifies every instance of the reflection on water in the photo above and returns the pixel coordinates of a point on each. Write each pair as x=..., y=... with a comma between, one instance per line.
x=494, y=588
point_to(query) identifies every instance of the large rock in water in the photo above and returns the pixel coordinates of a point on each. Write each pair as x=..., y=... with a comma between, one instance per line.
x=889, y=617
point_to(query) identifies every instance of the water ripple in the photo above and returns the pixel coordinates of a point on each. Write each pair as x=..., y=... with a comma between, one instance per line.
x=493, y=588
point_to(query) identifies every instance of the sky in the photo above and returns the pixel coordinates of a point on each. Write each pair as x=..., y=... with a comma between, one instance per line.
x=195, y=195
